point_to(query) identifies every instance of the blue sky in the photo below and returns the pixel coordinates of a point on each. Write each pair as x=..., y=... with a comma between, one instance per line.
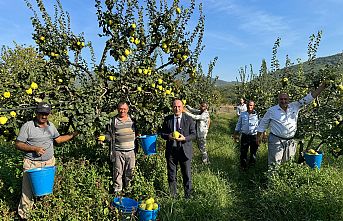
x=238, y=32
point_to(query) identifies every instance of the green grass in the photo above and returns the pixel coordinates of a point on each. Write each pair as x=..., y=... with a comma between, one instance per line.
x=221, y=190
x=224, y=192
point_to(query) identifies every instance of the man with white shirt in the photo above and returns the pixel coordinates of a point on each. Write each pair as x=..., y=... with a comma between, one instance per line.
x=179, y=150
x=282, y=120
x=246, y=126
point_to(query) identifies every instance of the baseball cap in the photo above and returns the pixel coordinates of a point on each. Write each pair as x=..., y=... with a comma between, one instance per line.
x=43, y=107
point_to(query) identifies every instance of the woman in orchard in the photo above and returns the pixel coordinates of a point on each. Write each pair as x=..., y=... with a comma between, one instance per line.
x=36, y=139
x=282, y=120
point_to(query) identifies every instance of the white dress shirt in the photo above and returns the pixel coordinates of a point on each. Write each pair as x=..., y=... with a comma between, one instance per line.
x=283, y=123
x=175, y=119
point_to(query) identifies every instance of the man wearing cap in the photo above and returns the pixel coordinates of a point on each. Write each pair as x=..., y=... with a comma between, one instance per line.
x=36, y=139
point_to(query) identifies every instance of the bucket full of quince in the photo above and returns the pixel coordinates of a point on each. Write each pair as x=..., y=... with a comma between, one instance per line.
x=148, y=209
x=313, y=158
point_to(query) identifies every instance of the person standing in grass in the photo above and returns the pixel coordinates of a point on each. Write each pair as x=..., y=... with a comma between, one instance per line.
x=179, y=149
x=121, y=135
x=202, y=118
x=36, y=139
x=282, y=120
x=246, y=126
x=241, y=107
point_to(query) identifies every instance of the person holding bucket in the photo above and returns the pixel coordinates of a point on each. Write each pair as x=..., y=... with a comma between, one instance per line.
x=121, y=136
x=282, y=120
x=179, y=130
x=202, y=118
x=36, y=140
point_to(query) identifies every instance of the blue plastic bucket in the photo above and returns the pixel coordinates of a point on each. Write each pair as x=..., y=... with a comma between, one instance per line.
x=42, y=180
x=149, y=144
x=146, y=215
x=314, y=160
x=125, y=204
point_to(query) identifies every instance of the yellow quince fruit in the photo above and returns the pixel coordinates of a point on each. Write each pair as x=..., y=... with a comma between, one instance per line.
x=149, y=206
x=176, y=134
x=155, y=207
x=13, y=114
x=311, y=151
x=29, y=91
x=127, y=52
x=149, y=201
x=7, y=94
x=122, y=58
x=3, y=120
x=34, y=85
x=142, y=206
x=101, y=138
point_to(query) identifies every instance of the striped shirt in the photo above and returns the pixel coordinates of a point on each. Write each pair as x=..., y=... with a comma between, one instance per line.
x=124, y=135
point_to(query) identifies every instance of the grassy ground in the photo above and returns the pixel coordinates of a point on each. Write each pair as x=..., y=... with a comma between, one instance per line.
x=224, y=192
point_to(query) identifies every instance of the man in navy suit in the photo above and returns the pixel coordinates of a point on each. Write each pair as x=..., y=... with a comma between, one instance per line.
x=179, y=150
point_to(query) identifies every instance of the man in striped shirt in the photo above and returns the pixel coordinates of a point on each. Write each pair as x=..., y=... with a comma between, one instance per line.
x=122, y=135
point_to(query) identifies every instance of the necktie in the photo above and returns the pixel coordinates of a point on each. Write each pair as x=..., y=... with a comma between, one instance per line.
x=178, y=124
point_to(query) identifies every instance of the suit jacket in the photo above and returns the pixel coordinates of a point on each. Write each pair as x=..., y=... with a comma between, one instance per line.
x=188, y=130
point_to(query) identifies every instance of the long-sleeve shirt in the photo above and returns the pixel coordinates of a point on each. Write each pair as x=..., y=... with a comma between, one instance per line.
x=283, y=123
x=122, y=134
x=247, y=123
x=202, y=120
x=241, y=108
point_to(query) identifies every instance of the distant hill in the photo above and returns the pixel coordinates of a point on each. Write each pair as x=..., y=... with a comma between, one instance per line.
x=321, y=62
x=220, y=83
x=330, y=60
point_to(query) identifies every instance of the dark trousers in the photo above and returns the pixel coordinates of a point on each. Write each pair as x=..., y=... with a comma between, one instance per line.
x=246, y=142
x=178, y=157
